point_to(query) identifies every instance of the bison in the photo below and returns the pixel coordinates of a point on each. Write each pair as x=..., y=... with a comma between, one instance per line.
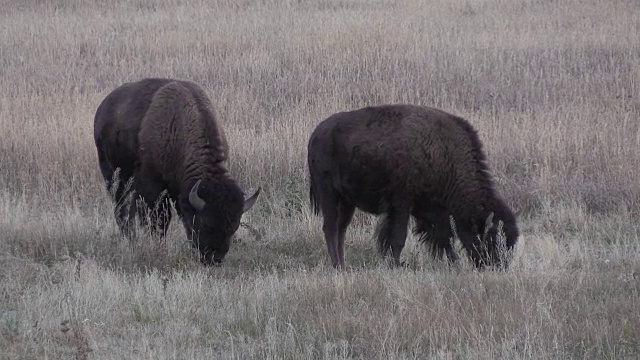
x=162, y=137
x=407, y=161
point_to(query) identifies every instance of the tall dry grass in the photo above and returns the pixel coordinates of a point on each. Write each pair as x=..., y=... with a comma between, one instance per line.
x=552, y=87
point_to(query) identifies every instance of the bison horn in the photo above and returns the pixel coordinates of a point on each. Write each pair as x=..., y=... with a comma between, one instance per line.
x=196, y=201
x=488, y=225
x=248, y=203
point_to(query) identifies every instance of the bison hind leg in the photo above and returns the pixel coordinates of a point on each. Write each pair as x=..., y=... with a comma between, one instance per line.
x=120, y=188
x=327, y=201
x=391, y=233
x=125, y=214
x=345, y=214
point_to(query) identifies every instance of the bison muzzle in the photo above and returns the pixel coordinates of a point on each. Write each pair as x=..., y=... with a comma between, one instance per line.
x=404, y=161
x=161, y=137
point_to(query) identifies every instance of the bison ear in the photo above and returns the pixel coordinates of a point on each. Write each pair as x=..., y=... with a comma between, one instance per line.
x=248, y=203
x=196, y=201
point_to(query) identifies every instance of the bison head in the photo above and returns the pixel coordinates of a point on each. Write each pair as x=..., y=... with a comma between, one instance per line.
x=500, y=234
x=211, y=213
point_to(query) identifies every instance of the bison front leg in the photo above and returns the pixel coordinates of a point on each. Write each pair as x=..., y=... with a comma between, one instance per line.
x=154, y=210
x=475, y=248
x=443, y=239
x=155, y=217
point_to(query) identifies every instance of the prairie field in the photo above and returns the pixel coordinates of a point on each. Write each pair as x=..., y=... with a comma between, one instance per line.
x=553, y=88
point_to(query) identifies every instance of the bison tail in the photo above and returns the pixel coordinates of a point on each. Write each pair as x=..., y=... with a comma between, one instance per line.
x=315, y=206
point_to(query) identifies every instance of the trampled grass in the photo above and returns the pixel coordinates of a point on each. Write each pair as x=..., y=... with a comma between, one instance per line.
x=552, y=87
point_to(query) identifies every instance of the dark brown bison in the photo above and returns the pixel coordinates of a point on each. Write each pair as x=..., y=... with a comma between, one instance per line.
x=403, y=161
x=163, y=135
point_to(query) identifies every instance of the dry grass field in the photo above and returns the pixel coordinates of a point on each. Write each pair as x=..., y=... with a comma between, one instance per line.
x=553, y=88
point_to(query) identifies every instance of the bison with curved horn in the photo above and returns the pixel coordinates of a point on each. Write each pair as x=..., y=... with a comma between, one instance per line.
x=405, y=161
x=162, y=137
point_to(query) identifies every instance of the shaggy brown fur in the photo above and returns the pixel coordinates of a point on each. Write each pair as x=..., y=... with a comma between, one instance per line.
x=163, y=134
x=403, y=161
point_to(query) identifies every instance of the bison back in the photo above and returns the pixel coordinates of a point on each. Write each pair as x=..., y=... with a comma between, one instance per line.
x=397, y=150
x=117, y=122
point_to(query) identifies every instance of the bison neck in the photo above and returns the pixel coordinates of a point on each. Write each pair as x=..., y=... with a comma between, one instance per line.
x=203, y=167
x=180, y=136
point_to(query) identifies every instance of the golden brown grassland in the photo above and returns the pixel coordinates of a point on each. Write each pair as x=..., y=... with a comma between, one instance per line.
x=552, y=86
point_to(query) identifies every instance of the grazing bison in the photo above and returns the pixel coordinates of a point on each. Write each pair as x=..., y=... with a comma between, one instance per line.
x=403, y=161
x=163, y=135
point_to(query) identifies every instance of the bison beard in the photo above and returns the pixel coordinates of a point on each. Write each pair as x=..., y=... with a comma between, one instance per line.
x=403, y=161
x=162, y=138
